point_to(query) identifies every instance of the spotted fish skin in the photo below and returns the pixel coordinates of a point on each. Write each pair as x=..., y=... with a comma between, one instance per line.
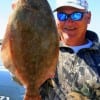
x=30, y=45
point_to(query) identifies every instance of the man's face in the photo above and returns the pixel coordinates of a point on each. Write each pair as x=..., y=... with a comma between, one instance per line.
x=73, y=32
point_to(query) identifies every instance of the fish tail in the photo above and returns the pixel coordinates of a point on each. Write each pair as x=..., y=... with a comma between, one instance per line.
x=30, y=95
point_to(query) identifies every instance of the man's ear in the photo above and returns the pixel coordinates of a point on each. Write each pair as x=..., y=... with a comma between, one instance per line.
x=88, y=17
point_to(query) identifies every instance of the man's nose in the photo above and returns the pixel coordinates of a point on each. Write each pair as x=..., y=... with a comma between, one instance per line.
x=69, y=21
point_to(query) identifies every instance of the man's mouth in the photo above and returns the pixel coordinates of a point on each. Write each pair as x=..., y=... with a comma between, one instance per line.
x=70, y=29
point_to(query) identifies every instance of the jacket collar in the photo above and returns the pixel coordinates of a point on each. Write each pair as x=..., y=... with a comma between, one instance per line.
x=89, y=35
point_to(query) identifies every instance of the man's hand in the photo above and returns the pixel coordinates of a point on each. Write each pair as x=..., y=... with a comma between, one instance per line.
x=77, y=96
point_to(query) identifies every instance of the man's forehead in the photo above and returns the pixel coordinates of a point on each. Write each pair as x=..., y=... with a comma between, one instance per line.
x=69, y=8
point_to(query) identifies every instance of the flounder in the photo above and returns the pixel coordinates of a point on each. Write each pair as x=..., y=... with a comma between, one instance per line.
x=30, y=45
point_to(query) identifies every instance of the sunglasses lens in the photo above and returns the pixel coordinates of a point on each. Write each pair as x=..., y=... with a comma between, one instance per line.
x=62, y=16
x=76, y=16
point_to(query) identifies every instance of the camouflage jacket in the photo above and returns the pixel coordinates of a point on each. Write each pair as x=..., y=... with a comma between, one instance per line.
x=77, y=75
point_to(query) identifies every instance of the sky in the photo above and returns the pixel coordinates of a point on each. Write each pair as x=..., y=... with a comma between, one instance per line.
x=94, y=6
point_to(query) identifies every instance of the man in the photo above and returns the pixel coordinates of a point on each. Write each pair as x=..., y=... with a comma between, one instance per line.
x=78, y=70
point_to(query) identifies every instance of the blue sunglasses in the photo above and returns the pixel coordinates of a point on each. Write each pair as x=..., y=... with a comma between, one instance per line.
x=75, y=16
